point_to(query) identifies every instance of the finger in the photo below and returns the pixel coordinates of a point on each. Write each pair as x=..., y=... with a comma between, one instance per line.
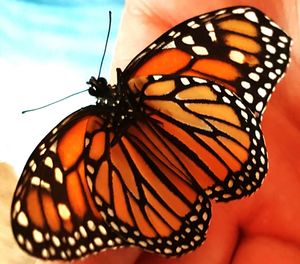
x=122, y=256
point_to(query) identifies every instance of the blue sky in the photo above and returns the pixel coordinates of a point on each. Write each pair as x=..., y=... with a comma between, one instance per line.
x=48, y=50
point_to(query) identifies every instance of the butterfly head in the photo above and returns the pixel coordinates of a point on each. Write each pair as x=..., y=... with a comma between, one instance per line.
x=99, y=87
x=105, y=93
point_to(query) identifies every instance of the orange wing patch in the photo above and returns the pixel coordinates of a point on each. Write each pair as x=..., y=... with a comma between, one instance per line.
x=165, y=62
x=34, y=209
x=52, y=217
x=216, y=68
x=72, y=144
x=239, y=26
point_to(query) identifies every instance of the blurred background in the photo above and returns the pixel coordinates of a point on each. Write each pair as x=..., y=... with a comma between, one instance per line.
x=48, y=50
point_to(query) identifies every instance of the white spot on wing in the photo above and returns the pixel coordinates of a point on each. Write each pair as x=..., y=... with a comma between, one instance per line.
x=177, y=35
x=213, y=36
x=45, y=253
x=22, y=219
x=83, y=231
x=262, y=92
x=240, y=104
x=45, y=184
x=20, y=239
x=199, y=80
x=172, y=33
x=259, y=106
x=244, y=114
x=272, y=75
x=200, y=50
x=58, y=175
x=185, y=81
x=237, y=56
x=284, y=39
x=191, y=23
x=216, y=87
x=265, y=39
x=245, y=84
x=220, y=12
x=283, y=56
x=152, y=46
x=102, y=230
x=259, y=69
x=239, y=11
x=35, y=181
x=63, y=211
x=254, y=76
x=271, y=48
x=226, y=100
x=98, y=241
x=37, y=236
x=257, y=134
x=250, y=15
x=266, y=31
x=170, y=45
x=157, y=77
x=56, y=241
x=269, y=64
x=209, y=27
x=28, y=245
x=248, y=97
x=71, y=241
x=91, y=225
x=48, y=162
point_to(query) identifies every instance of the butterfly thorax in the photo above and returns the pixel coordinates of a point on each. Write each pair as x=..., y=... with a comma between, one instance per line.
x=115, y=102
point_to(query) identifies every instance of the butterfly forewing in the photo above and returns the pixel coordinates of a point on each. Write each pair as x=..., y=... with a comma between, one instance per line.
x=53, y=213
x=239, y=48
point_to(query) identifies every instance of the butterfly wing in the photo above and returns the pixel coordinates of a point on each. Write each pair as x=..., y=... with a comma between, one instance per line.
x=216, y=136
x=239, y=48
x=53, y=214
x=142, y=190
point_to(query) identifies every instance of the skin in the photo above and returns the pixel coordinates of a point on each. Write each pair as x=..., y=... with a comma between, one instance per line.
x=263, y=228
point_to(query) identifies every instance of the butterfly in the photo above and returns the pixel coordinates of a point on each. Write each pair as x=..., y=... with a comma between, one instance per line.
x=180, y=128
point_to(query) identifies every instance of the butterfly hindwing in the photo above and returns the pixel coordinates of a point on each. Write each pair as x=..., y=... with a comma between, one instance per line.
x=211, y=131
x=239, y=48
x=147, y=201
x=53, y=213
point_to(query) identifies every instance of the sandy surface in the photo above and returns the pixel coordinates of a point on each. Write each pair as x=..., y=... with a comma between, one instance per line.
x=10, y=253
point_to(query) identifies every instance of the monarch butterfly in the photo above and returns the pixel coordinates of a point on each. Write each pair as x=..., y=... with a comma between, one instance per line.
x=180, y=127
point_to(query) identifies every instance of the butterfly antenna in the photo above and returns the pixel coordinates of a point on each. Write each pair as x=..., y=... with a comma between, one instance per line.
x=55, y=102
x=106, y=42
x=64, y=98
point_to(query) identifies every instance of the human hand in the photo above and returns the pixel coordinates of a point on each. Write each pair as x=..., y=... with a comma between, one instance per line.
x=263, y=228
